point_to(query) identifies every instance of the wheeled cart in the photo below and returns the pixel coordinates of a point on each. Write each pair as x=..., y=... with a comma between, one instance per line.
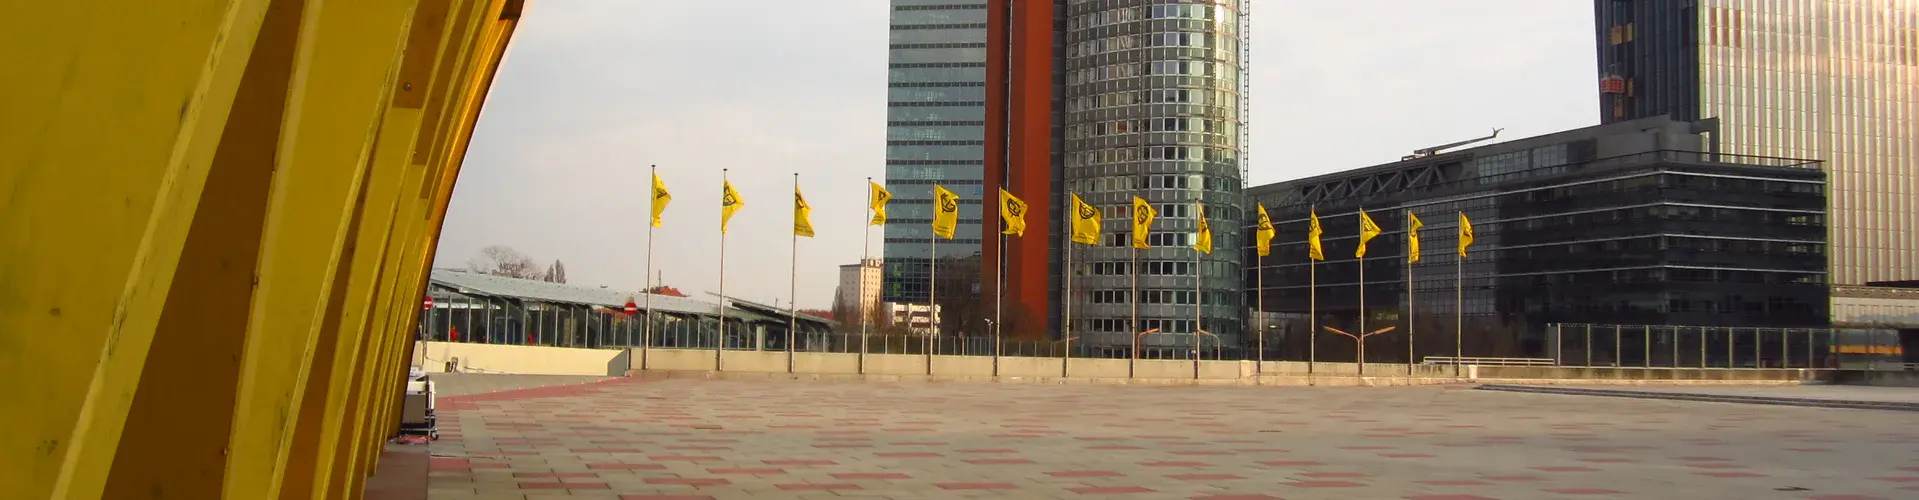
x=416, y=411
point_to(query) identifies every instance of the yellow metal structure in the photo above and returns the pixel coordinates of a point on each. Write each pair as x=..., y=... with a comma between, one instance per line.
x=216, y=218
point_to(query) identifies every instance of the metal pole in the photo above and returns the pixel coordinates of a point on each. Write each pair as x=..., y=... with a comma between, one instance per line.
x=866, y=247
x=1360, y=338
x=1758, y=341
x=1618, y=347
x=1259, y=311
x=1589, y=344
x=1312, y=315
x=1559, y=344
x=719, y=340
x=1702, y=347
x=1199, y=297
x=1731, y=352
x=1066, y=337
x=1459, y=310
x=1133, y=327
x=1648, y=351
x=932, y=300
x=793, y=284
x=646, y=327
x=1411, y=357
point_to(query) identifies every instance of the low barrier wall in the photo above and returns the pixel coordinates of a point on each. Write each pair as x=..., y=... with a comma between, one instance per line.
x=901, y=367
x=1877, y=378
x=526, y=360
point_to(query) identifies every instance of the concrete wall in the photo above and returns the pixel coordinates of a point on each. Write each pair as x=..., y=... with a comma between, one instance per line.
x=892, y=367
x=488, y=358
x=1877, y=378
x=527, y=360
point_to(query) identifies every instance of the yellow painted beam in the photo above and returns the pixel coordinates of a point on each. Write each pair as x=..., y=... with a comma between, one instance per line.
x=113, y=119
x=323, y=425
x=348, y=58
x=374, y=379
x=174, y=442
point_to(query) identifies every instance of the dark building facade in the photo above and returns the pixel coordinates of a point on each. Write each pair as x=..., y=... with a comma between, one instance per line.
x=1625, y=223
x=1833, y=80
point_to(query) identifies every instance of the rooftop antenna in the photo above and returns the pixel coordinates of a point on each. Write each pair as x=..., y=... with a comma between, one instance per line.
x=1422, y=153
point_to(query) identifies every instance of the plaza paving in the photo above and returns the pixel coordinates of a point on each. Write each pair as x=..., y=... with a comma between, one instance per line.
x=695, y=439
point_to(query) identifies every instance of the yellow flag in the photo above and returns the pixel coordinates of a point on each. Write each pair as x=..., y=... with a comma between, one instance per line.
x=1412, y=236
x=1367, y=230
x=1465, y=233
x=1204, y=241
x=729, y=202
x=1313, y=250
x=1085, y=222
x=877, y=199
x=1143, y=214
x=945, y=212
x=660, y=199
x=1013, y=211
x=1263, y=234
x=802, y=214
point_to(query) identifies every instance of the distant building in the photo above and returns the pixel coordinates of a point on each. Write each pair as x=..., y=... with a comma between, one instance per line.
x=858, y=296
x=1635, y=222
x=918, y=318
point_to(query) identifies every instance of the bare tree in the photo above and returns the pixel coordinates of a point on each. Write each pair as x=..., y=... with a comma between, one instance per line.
x=502, y=260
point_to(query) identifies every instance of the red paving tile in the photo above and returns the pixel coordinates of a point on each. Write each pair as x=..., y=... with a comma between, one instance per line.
x=1109, y=490
x=556, y=475
x=666, y=497
x=1084, y=473
x=1455, y=482
x=871, y=475
x=998, y=461
x=817, y=487
x=563, y=486
x=1175, y=464
x=688, y=481
x=746, y=471
x=1581, y=491
x=1324, y=484
x=625, y=466
x=798, y=462
x=976, y=486
x=1204, y=477
x=1235, y=496
x=1448, y=497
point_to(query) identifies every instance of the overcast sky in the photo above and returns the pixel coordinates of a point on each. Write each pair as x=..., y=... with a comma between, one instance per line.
x=593, y=91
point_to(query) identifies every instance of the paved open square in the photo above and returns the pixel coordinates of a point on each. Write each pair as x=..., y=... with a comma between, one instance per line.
x=696, y=439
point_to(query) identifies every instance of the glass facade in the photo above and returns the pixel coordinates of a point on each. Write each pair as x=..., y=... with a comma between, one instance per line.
x=1567, y=232
x=1152, y=109
x=1835, y=80
x=935, y=134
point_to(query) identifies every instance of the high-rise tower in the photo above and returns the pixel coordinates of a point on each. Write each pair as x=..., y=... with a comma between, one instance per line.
x=1833, y=80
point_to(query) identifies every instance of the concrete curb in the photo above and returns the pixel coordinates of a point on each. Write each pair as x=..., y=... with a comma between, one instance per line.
x=1712, y=398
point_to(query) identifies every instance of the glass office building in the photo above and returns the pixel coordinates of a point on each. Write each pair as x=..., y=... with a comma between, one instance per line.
x=1152, y=108
x=1628, y=223
x=1834, y=80
x=935, y=133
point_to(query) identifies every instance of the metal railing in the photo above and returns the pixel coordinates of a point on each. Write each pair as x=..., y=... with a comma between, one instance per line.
x=1665, y=346
x=1449, y=360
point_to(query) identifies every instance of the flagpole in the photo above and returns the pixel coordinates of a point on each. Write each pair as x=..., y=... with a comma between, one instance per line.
x=866, y=248
x=1361, y=260
x=999, y=293
x=793, y=282
x=1199, y=277
x=719, y=344
x=1312, y=312
x=646, y=327
x=932, y=298
x=1066, y=335
x=1410, y=310
x=1259, y=310
x=1459, y=304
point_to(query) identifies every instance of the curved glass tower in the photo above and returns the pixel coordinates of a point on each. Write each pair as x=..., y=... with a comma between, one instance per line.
x=1152, y=104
